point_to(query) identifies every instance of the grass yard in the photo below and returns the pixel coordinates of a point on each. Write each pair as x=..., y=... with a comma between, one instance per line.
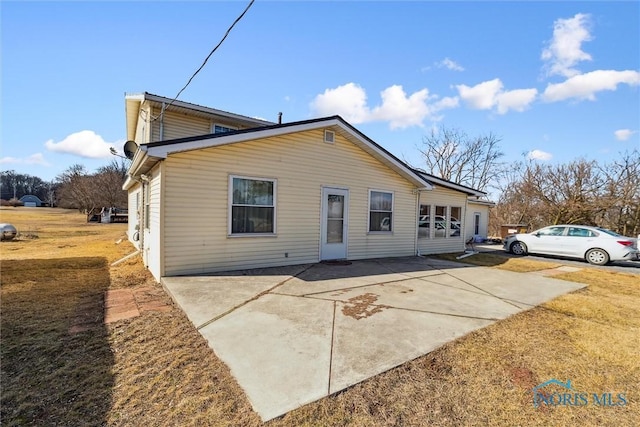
x=156, y=370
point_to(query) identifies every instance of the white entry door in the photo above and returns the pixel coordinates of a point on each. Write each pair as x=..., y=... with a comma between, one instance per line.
x=335, y=207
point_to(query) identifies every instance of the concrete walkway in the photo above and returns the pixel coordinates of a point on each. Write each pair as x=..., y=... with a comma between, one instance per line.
x=293, y=335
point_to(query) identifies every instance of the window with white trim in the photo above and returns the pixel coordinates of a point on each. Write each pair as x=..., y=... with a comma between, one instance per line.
x=252, y=208
x=455, y=221
x=476, y=223
x=222, y=129
x=380, y=210
x=424, y=222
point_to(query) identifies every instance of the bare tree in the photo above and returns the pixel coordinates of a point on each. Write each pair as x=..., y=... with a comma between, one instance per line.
x=620, y=204
x=90, y=193
x=109, y=180
x=580, y=192
x=77, y=191
x=454, y=156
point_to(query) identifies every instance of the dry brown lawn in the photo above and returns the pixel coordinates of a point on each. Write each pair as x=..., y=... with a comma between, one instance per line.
x=156, y=370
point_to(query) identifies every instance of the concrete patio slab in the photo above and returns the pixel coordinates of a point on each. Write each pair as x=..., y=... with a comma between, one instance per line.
x=430, y=297
x=294, y=336
x=520, y=288
x=327, y=277
x=279, y=357
x=204, y=298
x=369, y=346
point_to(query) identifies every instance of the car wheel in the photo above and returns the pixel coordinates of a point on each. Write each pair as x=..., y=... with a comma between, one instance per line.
x=518, y=248
x=597, y=256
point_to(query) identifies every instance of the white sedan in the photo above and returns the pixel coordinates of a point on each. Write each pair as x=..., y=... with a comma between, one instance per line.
x=596, y=245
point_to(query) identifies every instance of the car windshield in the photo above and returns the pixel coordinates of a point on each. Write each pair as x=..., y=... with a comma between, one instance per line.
x=609, y=232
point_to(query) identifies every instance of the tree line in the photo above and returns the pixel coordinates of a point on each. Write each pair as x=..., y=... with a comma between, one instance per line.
x=75, y=188
x=539, y=194
x=580, y=192
x=526, y=192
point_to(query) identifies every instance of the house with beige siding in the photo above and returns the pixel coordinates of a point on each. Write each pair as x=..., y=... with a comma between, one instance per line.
x=478, y=218
x=251, y=193
x=444, y=223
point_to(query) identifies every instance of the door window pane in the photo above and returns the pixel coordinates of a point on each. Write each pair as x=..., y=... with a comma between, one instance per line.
x=335, y=230
x=335, y=206
x=335, y=218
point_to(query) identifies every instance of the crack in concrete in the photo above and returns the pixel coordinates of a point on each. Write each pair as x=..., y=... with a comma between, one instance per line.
x=333, y=334
x=255, y=297
x=479, y=288
x=383, y=306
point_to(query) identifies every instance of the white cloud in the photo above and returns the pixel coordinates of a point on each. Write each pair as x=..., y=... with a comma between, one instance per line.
x=585, y=86
x=37, y=159
x=398, y=108
x=538, y=155
x=348, y=101
x=85, y=143
x=445, y=103
x=565, y=48
x=402, y=111
x=9, y=160
x=34, y=159
x=481, y=96
x=518, y=100
x=624, y=134
x=490, y=94
x=449, y=64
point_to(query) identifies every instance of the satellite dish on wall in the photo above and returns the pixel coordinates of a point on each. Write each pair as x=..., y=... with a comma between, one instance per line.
x=130, y=148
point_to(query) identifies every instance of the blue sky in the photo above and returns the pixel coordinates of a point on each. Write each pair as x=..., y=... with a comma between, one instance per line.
x=555, y=81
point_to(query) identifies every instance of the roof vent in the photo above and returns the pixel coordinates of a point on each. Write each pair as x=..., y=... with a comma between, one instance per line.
x=329, y=136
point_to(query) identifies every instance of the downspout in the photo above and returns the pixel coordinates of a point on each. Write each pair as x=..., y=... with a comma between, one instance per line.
x=140, y=229
x=463, y=232
x=417, y=192
x=416, y=249
x=162, y=122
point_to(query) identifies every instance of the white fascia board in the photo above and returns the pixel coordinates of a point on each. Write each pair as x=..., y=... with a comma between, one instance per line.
x=128, y=183
x=162, y=151
x=482, y=202
x=454, y=186
x=195, y=107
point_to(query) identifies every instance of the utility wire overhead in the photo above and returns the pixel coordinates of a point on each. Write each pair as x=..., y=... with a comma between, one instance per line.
x=207, y=58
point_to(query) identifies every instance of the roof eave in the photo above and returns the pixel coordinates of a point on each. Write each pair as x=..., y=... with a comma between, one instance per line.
x=162, y=149
x=158, y=100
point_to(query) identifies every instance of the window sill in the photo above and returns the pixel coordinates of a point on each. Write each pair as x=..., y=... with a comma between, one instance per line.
x=378, y=233
x=246, y=235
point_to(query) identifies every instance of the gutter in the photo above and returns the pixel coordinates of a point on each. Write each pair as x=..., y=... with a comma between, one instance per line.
x=417, y=191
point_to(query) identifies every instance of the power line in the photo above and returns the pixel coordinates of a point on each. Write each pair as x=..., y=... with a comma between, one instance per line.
x=207, y=58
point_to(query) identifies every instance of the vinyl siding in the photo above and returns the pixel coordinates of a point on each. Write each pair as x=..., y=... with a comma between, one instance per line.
x=152, y=238
x=180, y=125
x=196, y=203
x=443, y=197
x=483, y=210
x=134, y=197
x=142, y=128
